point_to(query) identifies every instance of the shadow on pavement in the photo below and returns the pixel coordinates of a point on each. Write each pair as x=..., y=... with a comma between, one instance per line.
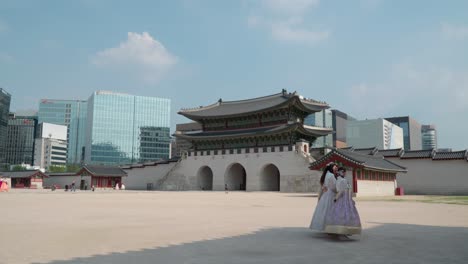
x=385, y=243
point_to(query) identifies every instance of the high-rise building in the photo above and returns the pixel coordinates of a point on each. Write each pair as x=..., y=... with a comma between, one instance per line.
x=429, y=137
x=19, y=148
x=50, y=145
x=378, y=133
x=70, y=113
x=411, y=131
x=5, y=99
x=124, y=128
x=330, y=119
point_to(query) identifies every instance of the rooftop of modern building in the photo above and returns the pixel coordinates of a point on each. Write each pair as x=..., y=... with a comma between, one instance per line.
x=254, y=105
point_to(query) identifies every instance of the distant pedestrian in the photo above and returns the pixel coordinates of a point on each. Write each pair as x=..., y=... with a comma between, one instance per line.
x=225, y=188
x=73, y=187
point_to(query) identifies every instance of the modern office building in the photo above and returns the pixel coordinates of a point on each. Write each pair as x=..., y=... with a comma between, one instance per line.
x=50, y=145
x=70, y=113
x=19, y=148
x=124, y=128
x=378, y=133
x=330, y=119
x=411, y=131
x=429, y=137
x=5, y=99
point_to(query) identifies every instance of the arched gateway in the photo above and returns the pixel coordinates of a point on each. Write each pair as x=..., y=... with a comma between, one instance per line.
x=251, y=127
x=205, y=178
x=236, y=177
x=270, y=178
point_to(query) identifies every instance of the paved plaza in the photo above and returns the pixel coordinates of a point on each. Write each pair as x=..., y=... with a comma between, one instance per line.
x=214, y=227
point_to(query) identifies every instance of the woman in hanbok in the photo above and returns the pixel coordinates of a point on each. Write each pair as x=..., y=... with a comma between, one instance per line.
x=343, y=217
x=325, y=198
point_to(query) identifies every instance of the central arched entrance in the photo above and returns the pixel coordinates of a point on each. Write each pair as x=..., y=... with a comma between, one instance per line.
x=236, y=177
x=270, y=178
x=205, y=178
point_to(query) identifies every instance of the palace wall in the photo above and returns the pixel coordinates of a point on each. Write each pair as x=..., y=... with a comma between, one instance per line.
x=433, y=177
x=192, y=172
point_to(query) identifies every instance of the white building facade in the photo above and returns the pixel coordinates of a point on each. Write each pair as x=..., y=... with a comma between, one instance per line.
x=378, y=133
x=50, y=145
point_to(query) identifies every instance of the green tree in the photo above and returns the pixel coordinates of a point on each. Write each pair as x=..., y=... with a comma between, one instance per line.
x=57, y=168
x=73, y=167
x=18, y=168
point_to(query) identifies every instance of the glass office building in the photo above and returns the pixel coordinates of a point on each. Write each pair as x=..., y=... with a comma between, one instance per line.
x=70, y=113
x=126, y=129
x=5, y=99
x=19, y=148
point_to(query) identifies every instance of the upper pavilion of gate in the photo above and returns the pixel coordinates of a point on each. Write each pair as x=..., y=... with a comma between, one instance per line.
x=272, y=120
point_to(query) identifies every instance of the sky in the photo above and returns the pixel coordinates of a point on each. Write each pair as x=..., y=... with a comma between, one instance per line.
x=367, y=58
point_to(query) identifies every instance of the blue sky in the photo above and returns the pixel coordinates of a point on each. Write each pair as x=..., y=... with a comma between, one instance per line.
x=368, y=58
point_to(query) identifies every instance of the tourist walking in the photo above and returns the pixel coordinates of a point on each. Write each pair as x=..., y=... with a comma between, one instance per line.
x=325, y=198
x=73, y=187
x=343, y=217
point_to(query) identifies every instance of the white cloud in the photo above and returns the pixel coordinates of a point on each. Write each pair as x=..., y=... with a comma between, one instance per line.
x=284, y=21
x=290, y=6
x=454, y=32
x=141, y=53
x=429, y=91
x=293, y=32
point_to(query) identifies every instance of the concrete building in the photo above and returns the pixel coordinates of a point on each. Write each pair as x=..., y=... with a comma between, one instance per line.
x=19, y=148
x=411, y=131
x=125, y=129
x=5, y=99
x=378, y=133
x=258, y=144
x=330, y=119
x=69, y=113
x=50, y=145
x=429, y=137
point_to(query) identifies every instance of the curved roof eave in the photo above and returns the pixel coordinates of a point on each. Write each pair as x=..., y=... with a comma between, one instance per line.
x=216, y=110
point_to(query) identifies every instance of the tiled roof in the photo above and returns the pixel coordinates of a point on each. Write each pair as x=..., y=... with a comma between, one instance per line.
x=58, y=174
x=367, y=161
x=417, y=154
x=148, y=164
x=308, y=130
x=100, y=170
x=22, y=174
x=366, y=151
x=230, y=108
x=444, y=155
x=389, y=152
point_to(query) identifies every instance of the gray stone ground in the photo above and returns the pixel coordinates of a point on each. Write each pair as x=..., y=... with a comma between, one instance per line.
x=213, y=227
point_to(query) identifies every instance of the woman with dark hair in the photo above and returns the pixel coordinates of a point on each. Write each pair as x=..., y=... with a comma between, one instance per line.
x=325, y=198
x=343, y=217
